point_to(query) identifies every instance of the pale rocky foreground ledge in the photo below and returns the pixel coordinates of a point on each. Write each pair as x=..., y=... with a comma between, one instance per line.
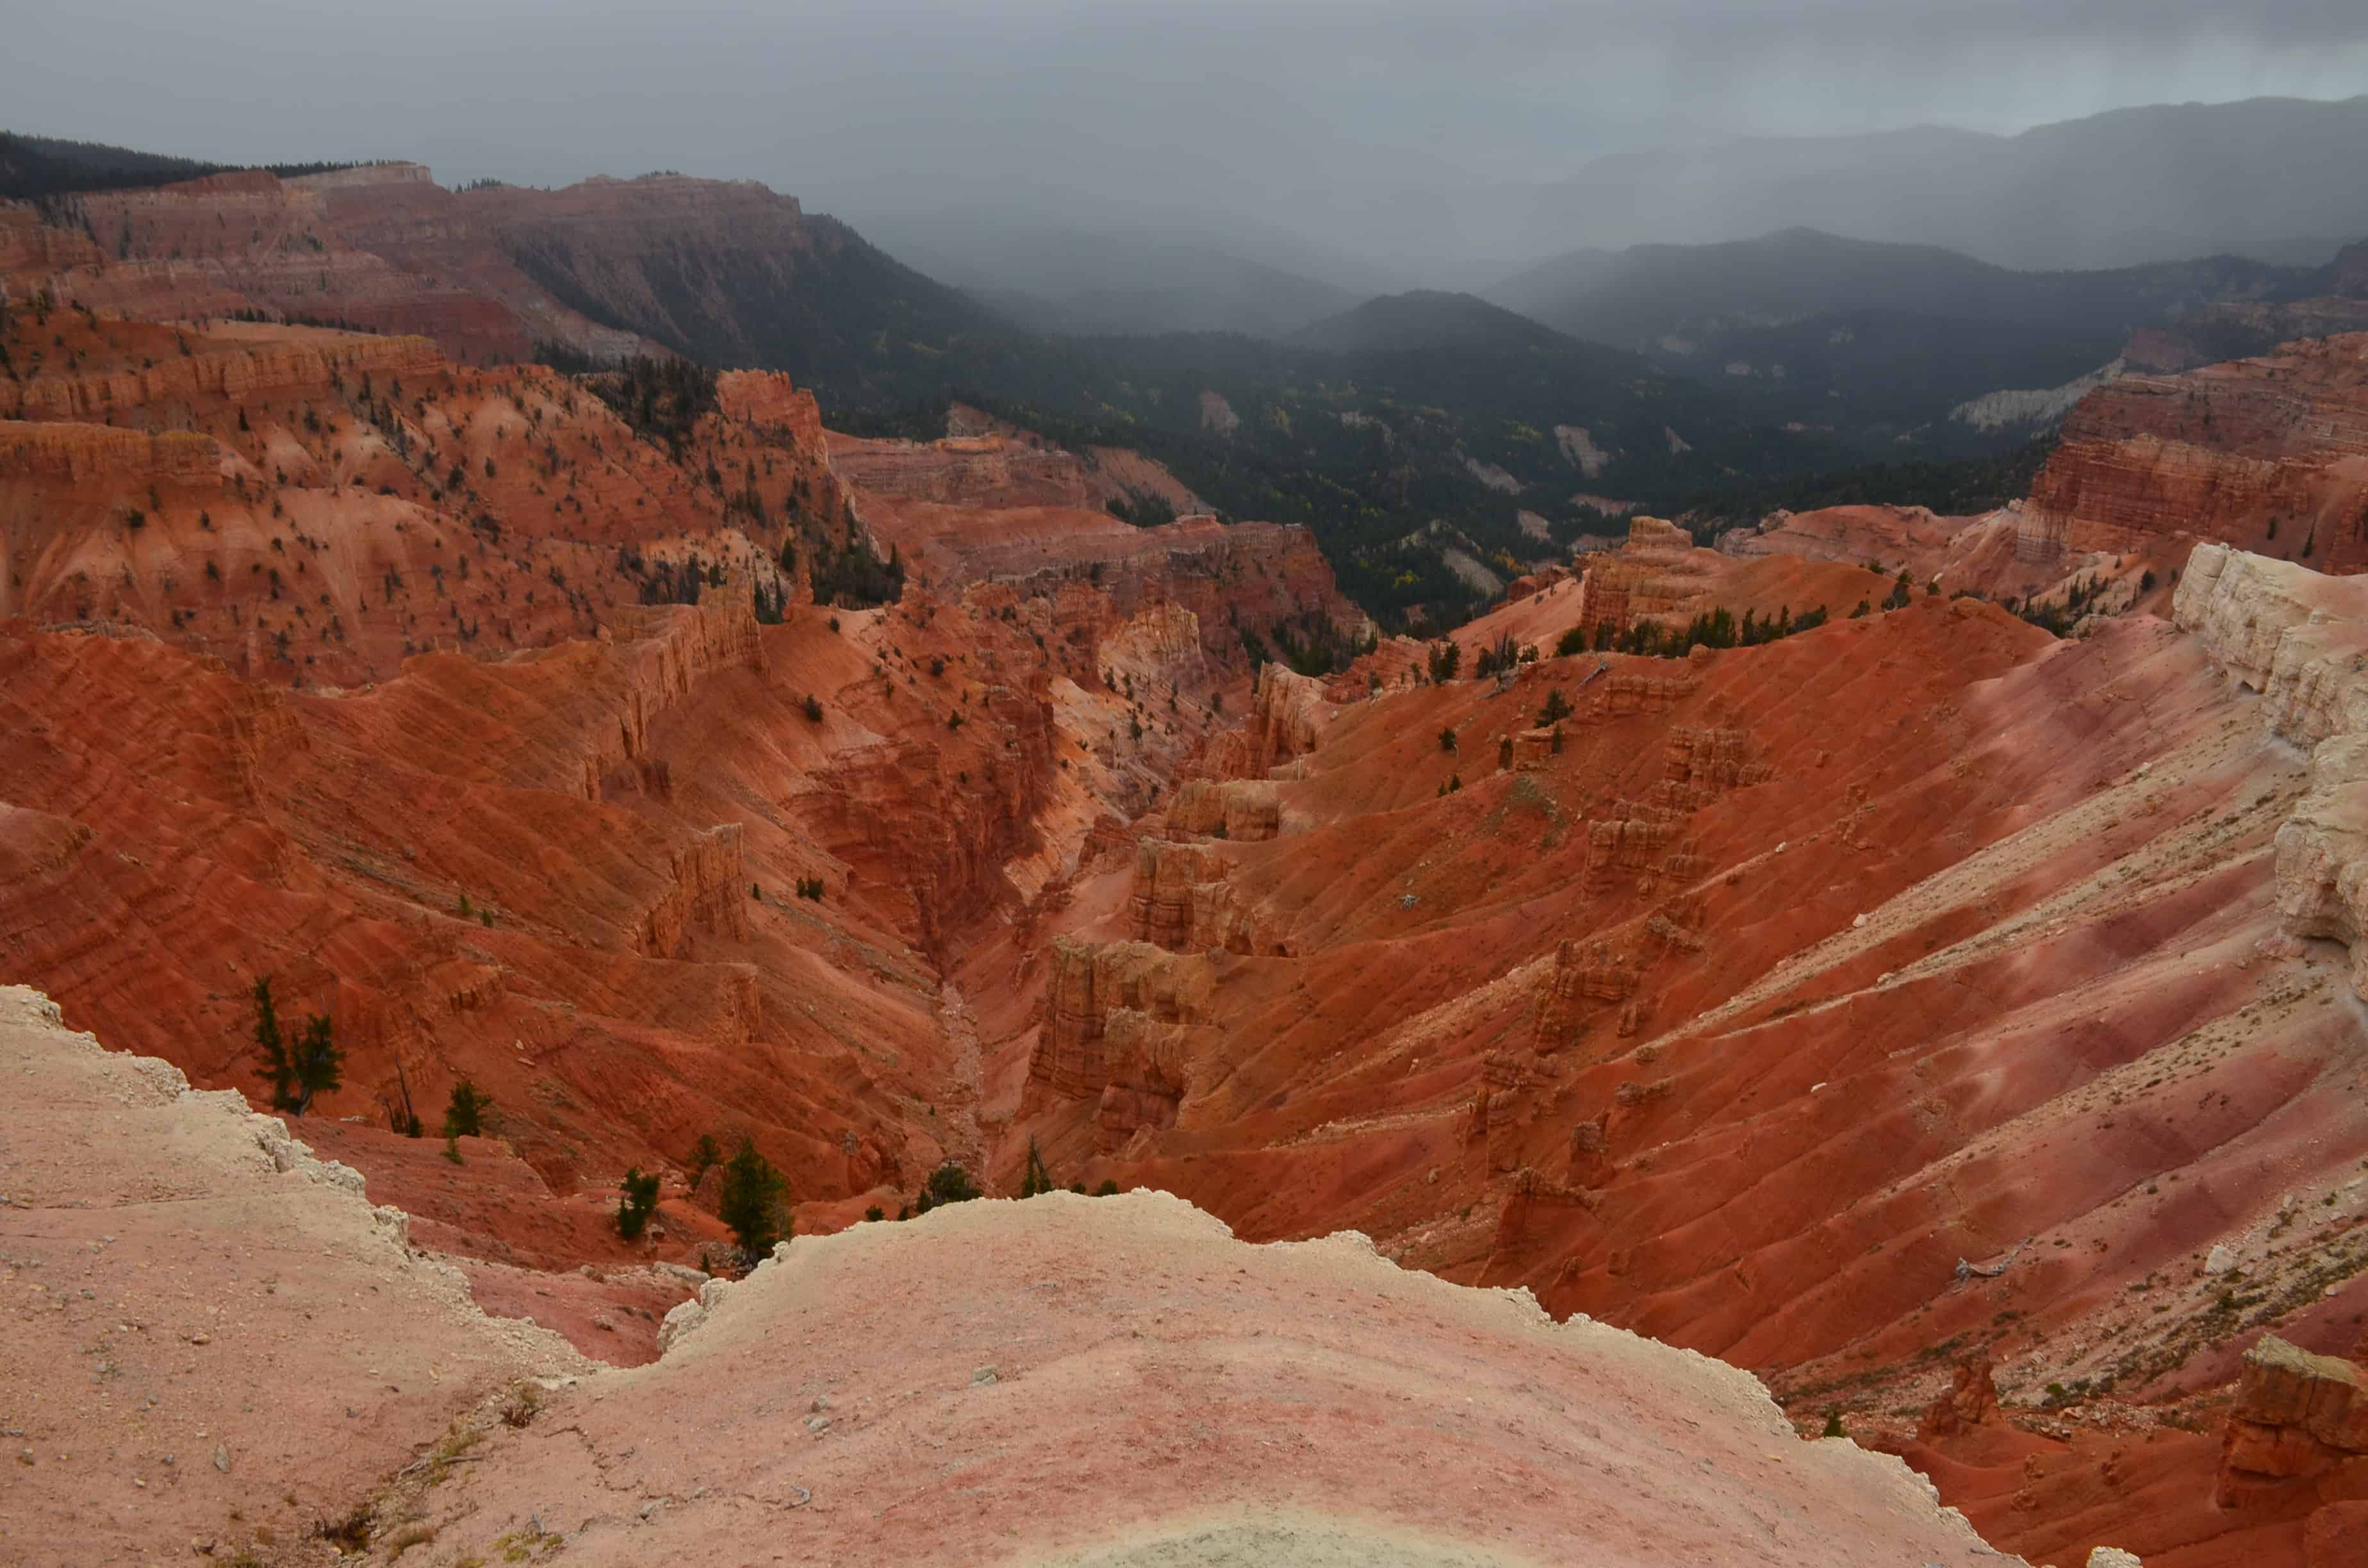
x=211, y=1337
x=1062, y=1380
x=1103, y=1380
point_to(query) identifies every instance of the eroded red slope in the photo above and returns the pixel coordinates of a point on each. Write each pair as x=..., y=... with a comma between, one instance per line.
x=1797, y=974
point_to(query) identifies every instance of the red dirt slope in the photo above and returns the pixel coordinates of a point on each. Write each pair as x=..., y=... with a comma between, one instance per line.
x=1797, y=974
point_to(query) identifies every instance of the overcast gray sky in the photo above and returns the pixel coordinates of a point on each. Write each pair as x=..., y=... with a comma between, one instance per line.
x=1259, y=118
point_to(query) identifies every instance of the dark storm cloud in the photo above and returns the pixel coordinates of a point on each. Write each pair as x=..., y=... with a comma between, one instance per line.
x=1298, y=126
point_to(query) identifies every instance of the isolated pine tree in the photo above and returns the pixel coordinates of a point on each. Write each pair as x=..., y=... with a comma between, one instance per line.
x=751, y=1201
x=301, y=1068
x=639, y=1201
x=271, y=1048
x=1038, y=1181
x=464, y=1113
x=316, y=1063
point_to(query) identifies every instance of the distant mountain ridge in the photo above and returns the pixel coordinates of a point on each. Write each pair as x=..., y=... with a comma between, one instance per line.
x=2273, y=178
x=1882, y=342
x=33, y=168
x=1422, y=319
x=1638, y=295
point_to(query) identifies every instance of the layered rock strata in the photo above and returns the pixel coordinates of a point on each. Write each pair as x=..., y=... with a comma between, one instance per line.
x=1650, y=573
x=2301, y=639
x=2268, y=455
x=2298, y=1417
x=1117, y=1031
x=1288, y=713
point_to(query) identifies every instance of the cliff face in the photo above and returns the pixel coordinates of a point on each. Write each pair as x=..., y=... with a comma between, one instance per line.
x=2234, y=328
x=1658, y=574
x=478, y=800
x=606, y=268
x=1651, y=574
x=2268, y=455
x=1288, y=711
x=2298, y=1417
x=1089, y=985
x=1183, y=898
x=1249, y=576
x=381, y=247
x=1166, y=878
x=998, y=508
x=675, y=259
x=985, y=470
x=2301, y=639
x=1977, y=553
x=1242, y=808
